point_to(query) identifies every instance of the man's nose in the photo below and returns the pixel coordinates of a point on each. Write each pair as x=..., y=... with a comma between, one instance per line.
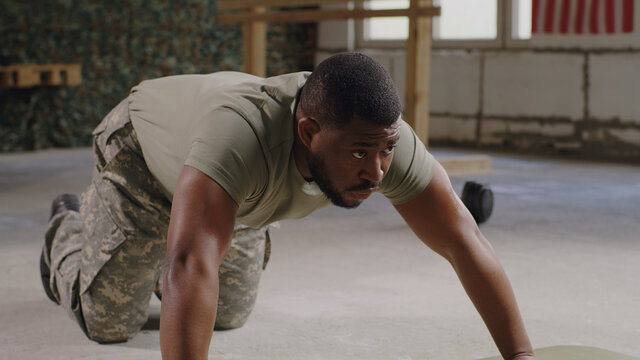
x=373, y=171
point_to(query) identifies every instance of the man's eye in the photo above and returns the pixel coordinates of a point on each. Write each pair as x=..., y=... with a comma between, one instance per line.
x=388, y=150
x=358, y=154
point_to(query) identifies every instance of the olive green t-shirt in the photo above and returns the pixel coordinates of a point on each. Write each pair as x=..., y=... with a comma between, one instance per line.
x=239, y=130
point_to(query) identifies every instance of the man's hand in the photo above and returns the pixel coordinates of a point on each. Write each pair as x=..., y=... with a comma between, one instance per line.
x=442, y=222
x=200, y=230
x=522, y=357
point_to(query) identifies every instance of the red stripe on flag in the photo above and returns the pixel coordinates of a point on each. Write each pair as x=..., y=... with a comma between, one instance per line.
x=627, y=16
x=548, y=16
x=593, y=17
x=534, y=16
x=578, y=25
x=564, y=16
x=609, y=17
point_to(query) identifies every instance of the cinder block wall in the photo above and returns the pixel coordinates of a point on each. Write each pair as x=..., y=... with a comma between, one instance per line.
x=580, y=102
x=119, y=44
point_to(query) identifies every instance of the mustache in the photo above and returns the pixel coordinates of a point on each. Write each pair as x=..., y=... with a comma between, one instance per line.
x=367, y=185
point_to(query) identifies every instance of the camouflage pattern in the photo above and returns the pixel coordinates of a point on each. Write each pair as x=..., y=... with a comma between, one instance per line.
x=118, y=44
x=107, y=259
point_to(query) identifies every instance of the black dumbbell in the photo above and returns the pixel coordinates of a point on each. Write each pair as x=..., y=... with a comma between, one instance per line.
x=478, y=198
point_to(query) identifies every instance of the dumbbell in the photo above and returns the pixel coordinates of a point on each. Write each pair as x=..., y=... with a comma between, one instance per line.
x=478, y=198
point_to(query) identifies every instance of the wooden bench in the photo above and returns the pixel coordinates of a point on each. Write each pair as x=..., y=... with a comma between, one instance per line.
x=26, y=76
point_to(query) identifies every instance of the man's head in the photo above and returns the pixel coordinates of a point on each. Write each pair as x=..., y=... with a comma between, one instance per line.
x=347, y=120
x=348, y=85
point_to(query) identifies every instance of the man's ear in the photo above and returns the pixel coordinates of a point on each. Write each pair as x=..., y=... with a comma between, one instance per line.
x=307, y=129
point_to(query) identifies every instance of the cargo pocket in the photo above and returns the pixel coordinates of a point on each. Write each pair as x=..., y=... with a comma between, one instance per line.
x=103, y=237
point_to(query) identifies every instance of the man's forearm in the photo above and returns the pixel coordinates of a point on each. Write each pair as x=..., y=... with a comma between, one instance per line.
x=202, y=220
x=490, y=291
x=189, y=302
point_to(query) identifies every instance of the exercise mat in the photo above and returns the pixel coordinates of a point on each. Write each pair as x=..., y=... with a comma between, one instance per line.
x=566, y=352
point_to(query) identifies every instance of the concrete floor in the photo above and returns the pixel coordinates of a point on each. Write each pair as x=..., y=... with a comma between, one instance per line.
x=357, y=284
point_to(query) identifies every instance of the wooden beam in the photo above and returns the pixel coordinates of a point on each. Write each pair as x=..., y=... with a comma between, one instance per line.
x=418, y=55
x=301, y=16
x=254, y=45
x=245, y=4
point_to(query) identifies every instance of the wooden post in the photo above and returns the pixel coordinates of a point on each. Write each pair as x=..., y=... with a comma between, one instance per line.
x=418, y=55
x=254, y=45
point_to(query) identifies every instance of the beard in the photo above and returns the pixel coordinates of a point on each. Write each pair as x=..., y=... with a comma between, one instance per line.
x=318, y=170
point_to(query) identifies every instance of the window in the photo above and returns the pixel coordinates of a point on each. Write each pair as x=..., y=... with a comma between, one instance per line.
x=521, y=19
x=463, y=23
x=390, y=28
x=466, y=20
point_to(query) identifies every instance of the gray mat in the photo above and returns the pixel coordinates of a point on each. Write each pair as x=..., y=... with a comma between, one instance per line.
x=565, y=352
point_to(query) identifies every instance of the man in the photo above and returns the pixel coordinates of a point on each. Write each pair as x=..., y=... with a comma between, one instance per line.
x=219, y=157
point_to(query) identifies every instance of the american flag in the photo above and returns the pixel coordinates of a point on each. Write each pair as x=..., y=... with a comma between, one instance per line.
x=582, y=16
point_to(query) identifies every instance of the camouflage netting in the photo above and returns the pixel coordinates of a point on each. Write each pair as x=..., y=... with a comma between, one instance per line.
x=119, y=43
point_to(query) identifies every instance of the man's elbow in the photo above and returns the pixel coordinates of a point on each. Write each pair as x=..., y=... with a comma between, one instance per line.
x=470, y=247
x=185, y=270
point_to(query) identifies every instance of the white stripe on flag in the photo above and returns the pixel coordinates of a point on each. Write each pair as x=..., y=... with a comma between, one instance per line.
x=618, y=16
x=557, y=17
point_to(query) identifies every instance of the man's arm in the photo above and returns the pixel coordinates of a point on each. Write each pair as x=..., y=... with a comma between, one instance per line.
x=200, y=230
x=442, y=222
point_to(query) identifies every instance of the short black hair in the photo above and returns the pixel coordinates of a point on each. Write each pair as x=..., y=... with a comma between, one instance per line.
x=347, y=85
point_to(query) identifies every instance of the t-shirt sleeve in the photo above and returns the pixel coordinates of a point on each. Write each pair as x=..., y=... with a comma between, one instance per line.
x=411, y=169
x=225, y=147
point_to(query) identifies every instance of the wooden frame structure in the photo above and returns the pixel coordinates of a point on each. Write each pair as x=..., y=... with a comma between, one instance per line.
x=26, y=76
x=253, y=15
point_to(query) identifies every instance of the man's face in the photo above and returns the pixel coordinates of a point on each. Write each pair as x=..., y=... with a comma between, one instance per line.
x=348, y=162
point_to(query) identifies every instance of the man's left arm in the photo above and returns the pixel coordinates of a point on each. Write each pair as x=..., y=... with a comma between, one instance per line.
x=440, y=219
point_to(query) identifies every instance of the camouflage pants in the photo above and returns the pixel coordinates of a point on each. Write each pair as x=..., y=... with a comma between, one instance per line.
x=106, y=260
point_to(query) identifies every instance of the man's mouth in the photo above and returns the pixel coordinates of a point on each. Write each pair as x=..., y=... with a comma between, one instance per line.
x=365, y=187
x=362, y=194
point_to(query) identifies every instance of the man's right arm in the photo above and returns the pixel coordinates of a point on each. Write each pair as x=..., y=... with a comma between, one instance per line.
x=200, y=230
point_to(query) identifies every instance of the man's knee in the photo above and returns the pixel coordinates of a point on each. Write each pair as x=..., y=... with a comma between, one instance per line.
x=239, y=277
x=106, y=321
x=228, y=321
x=106, y=330
x=103, y=337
